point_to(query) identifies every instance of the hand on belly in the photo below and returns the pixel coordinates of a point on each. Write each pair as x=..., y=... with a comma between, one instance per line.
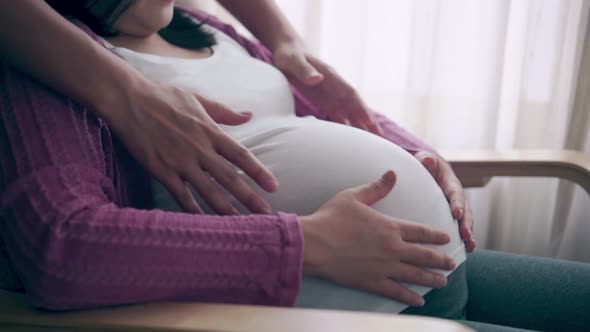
x=351, y=244
x=314, y=160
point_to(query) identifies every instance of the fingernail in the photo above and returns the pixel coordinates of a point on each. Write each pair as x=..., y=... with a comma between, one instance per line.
x=443, y=281
x=421, y=302
x=313, y=74
x=429, y=163
x=270, y=184
x=388, y=177
x=451, y=265
x=266, y=209
x=248, y=114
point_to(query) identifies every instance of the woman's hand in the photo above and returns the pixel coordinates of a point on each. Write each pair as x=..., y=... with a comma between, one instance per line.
x=174, y=135
x=352, y=244
x=322, y=84
x=451, y=186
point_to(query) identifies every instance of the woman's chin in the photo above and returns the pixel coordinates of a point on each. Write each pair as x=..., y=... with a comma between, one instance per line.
x=145, y=17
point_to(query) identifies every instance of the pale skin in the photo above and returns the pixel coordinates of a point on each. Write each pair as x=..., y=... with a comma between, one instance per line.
x=162, y=126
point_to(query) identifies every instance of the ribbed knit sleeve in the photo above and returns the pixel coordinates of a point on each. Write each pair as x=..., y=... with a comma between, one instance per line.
x=75, y=241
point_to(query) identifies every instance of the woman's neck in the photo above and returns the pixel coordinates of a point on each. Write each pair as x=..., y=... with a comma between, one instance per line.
x=144, y=44
x=155, y=44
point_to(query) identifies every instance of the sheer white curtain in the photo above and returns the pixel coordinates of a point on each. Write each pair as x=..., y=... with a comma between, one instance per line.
x=464, y=74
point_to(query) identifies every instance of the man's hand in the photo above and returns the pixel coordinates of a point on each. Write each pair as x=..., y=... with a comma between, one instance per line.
x=174, y=134
x=322, y=84
x=451, y=186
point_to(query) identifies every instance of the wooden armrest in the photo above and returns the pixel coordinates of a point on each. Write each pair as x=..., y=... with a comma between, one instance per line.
x=475, y=168
x=16, y=315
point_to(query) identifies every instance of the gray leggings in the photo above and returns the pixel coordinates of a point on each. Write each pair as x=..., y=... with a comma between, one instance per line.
x=495, y=291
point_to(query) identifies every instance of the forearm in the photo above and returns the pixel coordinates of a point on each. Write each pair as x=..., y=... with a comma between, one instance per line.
x=73, y=246
x=100, y=255
x=265, y=20
x=37, y=40
x=65, y=192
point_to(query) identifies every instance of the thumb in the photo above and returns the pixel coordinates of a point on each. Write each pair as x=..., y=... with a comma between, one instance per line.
x=373, y=192
x=428, y=160
x=223, y=115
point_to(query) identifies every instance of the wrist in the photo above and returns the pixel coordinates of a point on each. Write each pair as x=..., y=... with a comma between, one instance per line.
x=114, y=95
x=311, y=248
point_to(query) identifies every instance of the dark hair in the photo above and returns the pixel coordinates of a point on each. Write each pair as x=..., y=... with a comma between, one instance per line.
x=99, y=15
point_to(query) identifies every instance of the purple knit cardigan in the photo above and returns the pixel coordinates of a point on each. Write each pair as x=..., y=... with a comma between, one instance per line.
x=77, y=223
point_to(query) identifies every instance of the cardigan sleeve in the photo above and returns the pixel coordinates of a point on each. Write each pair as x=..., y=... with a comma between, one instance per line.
x=400, y=136
x=74, y=244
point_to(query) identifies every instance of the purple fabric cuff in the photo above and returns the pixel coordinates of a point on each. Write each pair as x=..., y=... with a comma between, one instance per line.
x=292, y=261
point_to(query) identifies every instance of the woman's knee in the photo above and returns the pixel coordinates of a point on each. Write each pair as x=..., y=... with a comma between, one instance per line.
x=530, y=292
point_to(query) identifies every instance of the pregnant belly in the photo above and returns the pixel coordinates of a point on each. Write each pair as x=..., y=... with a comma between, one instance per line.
x=315, y=159
x=312, y=159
